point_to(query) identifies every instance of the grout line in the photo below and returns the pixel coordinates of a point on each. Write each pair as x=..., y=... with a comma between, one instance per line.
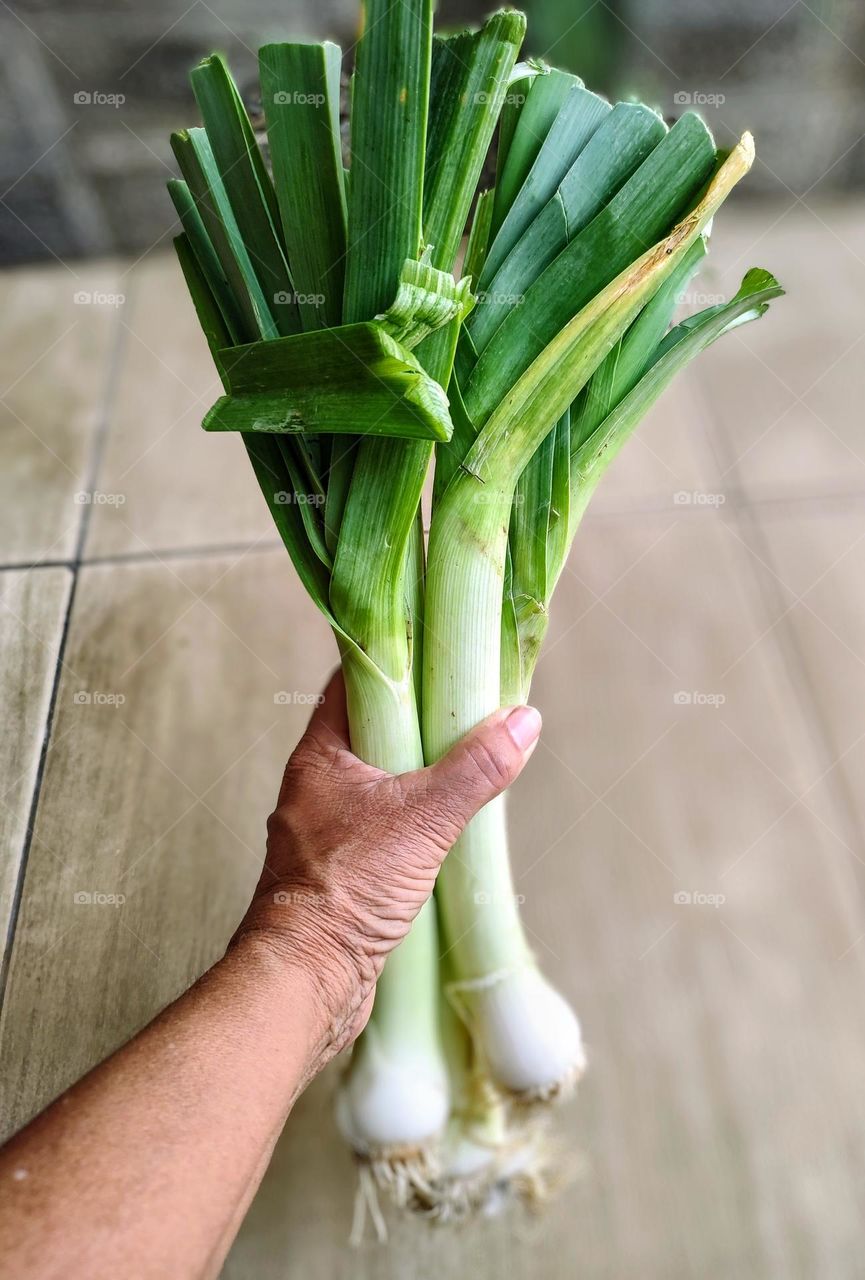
x=211, y=550
x=97, y=450
x=822, y=504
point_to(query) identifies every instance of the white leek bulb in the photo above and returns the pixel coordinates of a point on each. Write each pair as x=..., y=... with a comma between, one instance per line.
x=393, y=1102
x=528, y=1034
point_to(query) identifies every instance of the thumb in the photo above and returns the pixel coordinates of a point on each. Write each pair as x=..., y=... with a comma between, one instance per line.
x=478, y=768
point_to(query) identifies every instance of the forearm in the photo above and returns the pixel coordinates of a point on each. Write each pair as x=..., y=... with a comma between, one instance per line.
x=144, y=1168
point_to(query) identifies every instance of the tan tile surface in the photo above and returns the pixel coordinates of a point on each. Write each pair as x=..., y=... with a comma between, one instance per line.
x=721, y=1128
x=159, y=799
x=706, y=1147
x=179, y=486
x=787, y=392
x=57, y=328
x=32, y=610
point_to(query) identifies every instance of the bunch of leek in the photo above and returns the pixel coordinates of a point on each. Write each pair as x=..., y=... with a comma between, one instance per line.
x=350, y=357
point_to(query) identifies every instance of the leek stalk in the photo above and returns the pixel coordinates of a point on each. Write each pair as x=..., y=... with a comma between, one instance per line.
x=351, y=358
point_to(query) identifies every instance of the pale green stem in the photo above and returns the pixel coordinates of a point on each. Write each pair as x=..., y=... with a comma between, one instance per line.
x=462, y=673
x=384, y=729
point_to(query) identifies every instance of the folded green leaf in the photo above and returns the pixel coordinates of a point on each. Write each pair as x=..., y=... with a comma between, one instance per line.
x=355, y=379
x=426, y=300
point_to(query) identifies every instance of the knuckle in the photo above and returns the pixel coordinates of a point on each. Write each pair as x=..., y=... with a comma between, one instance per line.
x=489, y=763
x=427, y=813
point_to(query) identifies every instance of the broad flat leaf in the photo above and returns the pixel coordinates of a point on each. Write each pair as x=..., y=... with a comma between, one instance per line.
x=388, y=143
x=247, y=184
x=580, y=115
x=380, y=512
x=389, y=104
x=543, y=393
x=534, y=121
x=639, y=214
x=470, y=76
x=352, y=379
x=300, y=96
x=616, y=149
x=198, y=166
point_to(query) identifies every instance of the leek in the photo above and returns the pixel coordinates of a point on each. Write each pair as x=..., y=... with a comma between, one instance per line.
x=351, y=359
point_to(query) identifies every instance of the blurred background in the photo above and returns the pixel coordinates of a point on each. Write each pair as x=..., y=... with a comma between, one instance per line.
x=93, y=88
x=689, y=838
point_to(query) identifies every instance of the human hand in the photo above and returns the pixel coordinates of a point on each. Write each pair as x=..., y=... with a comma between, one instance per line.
x=353, y=852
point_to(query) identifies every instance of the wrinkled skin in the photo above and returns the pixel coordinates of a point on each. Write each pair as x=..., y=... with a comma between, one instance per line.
x=353, y=852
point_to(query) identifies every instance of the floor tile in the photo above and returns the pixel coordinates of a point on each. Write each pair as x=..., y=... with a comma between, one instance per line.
x=58, y=328
x=174, y=485
x=781, y=391
x=704, y=1144
x=32, y=612
x=165, y=760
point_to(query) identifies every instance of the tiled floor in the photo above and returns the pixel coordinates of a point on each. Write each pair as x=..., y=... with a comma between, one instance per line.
x=721, y=1130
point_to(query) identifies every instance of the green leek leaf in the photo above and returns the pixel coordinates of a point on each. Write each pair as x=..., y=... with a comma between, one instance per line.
x=300, y=95
x=247, y=184
x=353, y=379
x=579, y=117
x=642, y=211
x=534, y=120
x=616, y=149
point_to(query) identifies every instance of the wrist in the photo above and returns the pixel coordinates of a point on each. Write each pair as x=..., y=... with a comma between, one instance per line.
x=305, y=984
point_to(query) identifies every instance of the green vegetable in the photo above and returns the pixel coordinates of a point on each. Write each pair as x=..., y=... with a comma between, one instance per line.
x=351, y=358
